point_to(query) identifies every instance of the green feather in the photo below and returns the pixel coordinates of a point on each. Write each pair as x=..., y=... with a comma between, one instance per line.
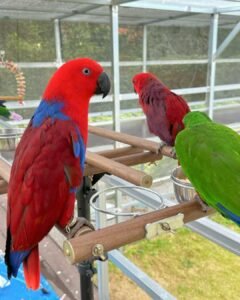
x=4, y=112
x=209, y=154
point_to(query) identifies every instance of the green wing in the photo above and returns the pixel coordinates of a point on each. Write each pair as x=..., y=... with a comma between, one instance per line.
x=210, y=157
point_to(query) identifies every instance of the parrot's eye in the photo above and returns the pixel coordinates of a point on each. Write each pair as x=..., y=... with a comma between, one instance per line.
x=86, y=71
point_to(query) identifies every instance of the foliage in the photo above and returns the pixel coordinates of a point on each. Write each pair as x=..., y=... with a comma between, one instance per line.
x=33, y=41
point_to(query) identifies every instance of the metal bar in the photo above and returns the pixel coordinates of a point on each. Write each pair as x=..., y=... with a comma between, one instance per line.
x=85, y=268
x=57, y=33
x=79, y=11
x=169, y=18
x=227, y=40
x=228, y=60
x=151, y=287
x=177, y=62
x=212, y=62
x=228, y=9
x=171, y=6
x=142, y=196
x=102, y=266
x=217, y=233
x=28, y=65
x=115, y=66
x=119, y=2
x=144, y=62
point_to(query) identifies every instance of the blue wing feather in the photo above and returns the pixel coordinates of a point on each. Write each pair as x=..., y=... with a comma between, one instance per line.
x=48, y=110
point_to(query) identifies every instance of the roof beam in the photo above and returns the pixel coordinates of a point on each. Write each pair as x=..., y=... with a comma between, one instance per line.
x=228, y=9
x=170, y=7
x=227, y=40
x=79, y=11
x=169, y=18
x=119, y=2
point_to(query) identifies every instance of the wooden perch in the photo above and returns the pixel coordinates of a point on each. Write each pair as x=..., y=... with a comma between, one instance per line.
x=80, y=248
x=128, y=160
x=130, y=140
x=11, y=98
x=3, y=187
x=122, y=151
x=5, y=169
x=134, y=176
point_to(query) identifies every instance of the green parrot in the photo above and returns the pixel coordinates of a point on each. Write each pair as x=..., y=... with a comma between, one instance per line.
x=209, y=154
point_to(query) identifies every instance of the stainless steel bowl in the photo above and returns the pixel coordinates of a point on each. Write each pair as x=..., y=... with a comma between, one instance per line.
x=183, y=189
x=9, y=138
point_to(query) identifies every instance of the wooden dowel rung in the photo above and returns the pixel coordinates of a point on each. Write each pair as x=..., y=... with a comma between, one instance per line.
x=125, y=138
x=130, y=140
x=5, y=169
x=80, y=248
x=3, y=187
x=134, y=176
x=120, y=151
x=11, y=98
x=128, y=160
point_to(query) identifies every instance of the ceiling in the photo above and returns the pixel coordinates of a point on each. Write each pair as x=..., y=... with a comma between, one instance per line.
x=153, y=12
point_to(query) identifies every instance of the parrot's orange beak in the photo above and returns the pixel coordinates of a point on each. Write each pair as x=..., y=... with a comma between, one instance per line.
x=103, y=85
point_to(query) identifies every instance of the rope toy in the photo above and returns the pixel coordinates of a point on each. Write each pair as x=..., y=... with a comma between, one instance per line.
x=20, y=79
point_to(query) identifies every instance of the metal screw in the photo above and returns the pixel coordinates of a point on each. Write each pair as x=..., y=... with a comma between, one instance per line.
x=98, y=252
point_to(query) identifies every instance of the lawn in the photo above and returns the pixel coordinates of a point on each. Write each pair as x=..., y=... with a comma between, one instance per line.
x=186, y=264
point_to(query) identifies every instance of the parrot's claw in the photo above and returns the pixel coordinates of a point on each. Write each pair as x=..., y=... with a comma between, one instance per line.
x=203, y=204
x=78, y=226
x=152, y=163
x=161, y=145
x=173, y=153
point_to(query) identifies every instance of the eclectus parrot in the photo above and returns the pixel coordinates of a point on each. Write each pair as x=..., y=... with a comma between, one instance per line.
x=209, y=154
x=164, y=109
x=49, y=163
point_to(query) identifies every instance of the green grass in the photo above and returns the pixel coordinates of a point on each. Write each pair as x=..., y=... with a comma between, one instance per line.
x=186, y=264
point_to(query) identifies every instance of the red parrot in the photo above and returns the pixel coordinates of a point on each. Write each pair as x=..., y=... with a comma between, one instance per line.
x=49, y=162
x=164, y=109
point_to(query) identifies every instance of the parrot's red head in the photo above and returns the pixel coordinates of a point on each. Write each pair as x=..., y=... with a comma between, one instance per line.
x=73, y=84
x=77, y=80
x=142, y=79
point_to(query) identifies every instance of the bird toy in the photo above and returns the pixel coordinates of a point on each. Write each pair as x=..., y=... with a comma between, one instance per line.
x=20, y=79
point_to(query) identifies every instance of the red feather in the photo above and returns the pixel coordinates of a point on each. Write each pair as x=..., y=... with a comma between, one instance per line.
x=164, y=109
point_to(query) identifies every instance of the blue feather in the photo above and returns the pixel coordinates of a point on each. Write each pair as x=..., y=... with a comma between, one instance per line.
x=73, y=190
x=46, y=110
x=16, y=258
x=79, y=149
x=235, y=218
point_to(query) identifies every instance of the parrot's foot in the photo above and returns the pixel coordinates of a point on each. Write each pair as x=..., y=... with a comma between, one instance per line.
x=172, y=151
x=203, y=204
x=152, y=163
x=161, y=145
x=78, y=226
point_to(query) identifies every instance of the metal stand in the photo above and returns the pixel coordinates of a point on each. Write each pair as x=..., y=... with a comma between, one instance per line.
x=86, y=269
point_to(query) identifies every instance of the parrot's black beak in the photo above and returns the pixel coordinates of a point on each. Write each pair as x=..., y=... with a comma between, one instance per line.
x=103, y=85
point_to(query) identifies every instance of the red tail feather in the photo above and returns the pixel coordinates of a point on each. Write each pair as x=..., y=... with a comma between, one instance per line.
x=31, y=267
